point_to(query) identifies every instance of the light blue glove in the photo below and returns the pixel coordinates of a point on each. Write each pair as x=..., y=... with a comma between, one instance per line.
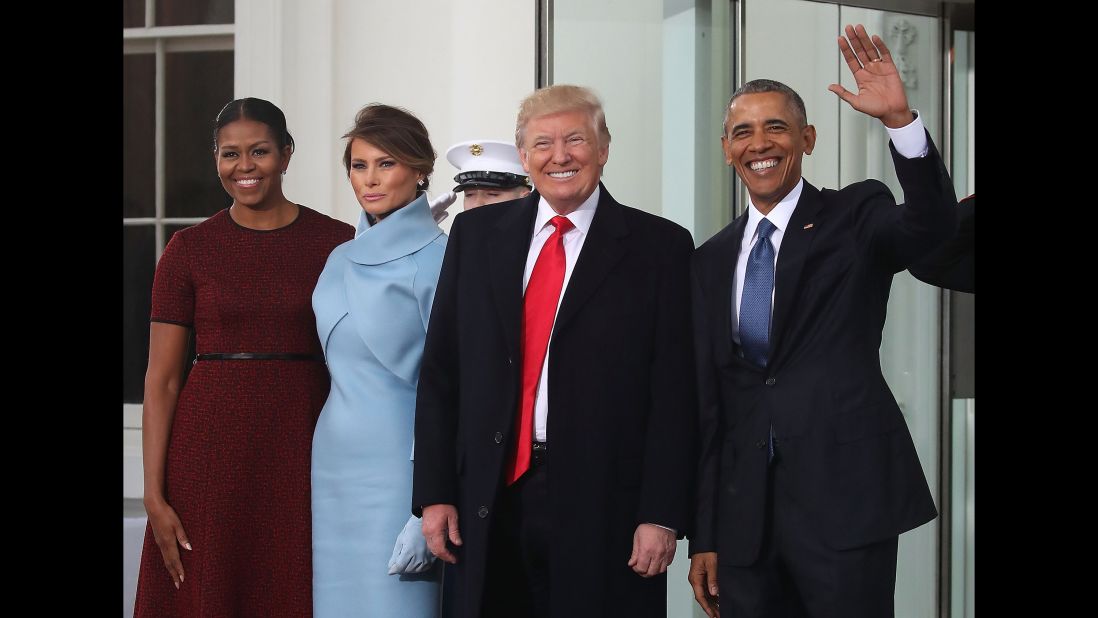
x=411, y=554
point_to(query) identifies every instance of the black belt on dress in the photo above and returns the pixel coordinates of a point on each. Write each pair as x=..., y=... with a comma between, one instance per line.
x=293, y=356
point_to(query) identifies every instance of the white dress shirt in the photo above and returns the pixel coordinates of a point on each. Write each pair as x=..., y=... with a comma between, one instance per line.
x=910, y=142
x=573, y=242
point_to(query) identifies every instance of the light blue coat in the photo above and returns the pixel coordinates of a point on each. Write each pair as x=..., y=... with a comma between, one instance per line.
x=372, y=304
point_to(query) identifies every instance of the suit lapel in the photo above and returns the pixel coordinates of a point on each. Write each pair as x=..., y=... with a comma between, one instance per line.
x=602, y=249
x=796, y=244
x=508, y=252
x=722, y=280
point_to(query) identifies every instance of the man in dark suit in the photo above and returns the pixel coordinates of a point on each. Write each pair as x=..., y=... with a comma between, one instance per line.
x=560, y=319
x=807, y=472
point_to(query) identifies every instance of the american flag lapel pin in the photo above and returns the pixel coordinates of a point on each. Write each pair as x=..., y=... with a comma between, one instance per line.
x=808, y=226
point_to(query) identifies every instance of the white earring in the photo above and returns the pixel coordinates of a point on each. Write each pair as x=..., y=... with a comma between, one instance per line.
x=420, y=182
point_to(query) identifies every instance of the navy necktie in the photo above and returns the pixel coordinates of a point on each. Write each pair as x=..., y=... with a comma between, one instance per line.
x=758, y=289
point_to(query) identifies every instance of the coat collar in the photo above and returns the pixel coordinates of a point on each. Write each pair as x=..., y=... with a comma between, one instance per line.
x=796, y=243
x=402, y=233
x=602, y=250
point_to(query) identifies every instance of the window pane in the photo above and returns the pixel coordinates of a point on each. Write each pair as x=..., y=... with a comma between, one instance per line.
x=191, y=12
x=138, y=135
x=198, y=86
x=138, y=262
x=662, y=82
x=133, y=13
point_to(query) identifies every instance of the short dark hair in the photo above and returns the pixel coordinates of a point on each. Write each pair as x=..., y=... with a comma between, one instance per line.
x=396, y=131
x=259, y=110
x=756, y=86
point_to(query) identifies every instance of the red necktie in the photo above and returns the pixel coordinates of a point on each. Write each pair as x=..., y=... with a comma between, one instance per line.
x=539, y=308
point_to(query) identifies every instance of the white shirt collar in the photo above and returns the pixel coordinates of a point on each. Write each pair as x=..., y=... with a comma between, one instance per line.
x=580, y=217
x=779, y=216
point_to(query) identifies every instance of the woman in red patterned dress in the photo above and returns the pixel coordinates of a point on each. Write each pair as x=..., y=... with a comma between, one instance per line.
x=226, y=457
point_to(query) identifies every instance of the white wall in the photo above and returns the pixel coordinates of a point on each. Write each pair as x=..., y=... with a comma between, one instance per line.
x=677, y=156
x=461, y=66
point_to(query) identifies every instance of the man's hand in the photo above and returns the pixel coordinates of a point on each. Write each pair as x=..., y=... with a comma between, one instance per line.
x=653, y=550
x=703, y=579
x=440, y=521
x=880, y=89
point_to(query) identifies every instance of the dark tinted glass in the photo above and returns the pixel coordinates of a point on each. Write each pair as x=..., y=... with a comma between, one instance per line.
x=138, y=135
x=198, y=86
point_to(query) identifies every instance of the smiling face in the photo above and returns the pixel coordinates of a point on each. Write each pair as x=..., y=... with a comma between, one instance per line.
x=765, y=142
x=563, y=155
x=250, y=164
x=381, y=183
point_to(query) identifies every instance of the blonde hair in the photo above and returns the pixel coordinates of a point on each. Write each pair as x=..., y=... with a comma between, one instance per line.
x=561, y=98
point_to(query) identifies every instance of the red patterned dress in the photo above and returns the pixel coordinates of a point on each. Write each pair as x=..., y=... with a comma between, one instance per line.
x=238, y=457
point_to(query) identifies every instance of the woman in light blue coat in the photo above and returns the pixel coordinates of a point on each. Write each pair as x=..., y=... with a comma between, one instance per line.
x=372, y=304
